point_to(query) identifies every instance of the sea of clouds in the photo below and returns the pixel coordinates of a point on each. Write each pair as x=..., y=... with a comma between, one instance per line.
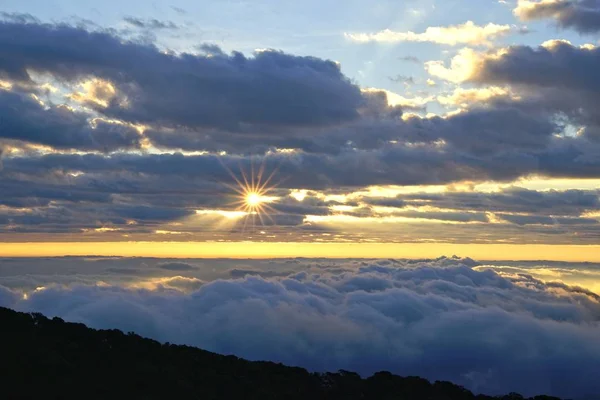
x=493, y=328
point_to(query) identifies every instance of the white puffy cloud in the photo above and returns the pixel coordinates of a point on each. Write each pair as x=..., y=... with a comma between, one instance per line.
x=395, y=99
x=462, y=66
x=466, y=97
x=467, y=33
x=440, y=319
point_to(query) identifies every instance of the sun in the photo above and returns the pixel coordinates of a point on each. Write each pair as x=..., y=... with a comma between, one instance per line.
x=254, y=193
x=253, y=200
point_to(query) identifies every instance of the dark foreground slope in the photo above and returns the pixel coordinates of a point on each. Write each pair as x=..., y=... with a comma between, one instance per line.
x=50, y=359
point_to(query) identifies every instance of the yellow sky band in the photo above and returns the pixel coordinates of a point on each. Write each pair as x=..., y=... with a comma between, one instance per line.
x=580, y=253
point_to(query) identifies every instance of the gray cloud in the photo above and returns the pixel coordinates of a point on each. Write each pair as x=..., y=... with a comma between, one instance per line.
x=177, y=266
x=469, y=140
x=445, y=216
x=489, y=333
x=411, y=59
x=64, y=217
x=241, y=273
x=19, y=194
x=581, y=15
x=308, y=206
x=545, y=220
x=396, y=202
x=23, y=118
x=560, y=65
x=178, y=10
x=22, y=18
x=147, y=213
x=343, y=139
x=513, y=199
x=7, y=297
x=424, y=164
x=557, y=79
x=482, y=131
x=150, y=23
x=2, y=152
x=158, y=189
x=408, y=80
x=222, y=91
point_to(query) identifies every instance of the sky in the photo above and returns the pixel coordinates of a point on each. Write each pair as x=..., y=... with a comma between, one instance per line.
x=279, y=179
x=285, y=129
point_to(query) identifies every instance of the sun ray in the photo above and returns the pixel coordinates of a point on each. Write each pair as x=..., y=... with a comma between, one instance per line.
x=252, y=187
x=246, y=184
x=253, y=193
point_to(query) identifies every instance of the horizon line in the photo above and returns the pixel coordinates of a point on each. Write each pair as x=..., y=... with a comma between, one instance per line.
x=334, y=250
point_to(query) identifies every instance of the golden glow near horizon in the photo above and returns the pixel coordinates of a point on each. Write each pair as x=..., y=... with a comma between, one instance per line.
x=351, y=228
x=350, y=220
x=481, y=252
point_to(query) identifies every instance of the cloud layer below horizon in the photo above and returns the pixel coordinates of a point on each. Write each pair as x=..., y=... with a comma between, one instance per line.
x=449, y=318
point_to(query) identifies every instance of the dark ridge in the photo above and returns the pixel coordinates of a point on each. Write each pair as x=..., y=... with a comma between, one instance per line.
x=45, y=358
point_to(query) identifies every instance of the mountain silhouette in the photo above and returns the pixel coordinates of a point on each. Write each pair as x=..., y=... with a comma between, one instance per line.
x=44, y=358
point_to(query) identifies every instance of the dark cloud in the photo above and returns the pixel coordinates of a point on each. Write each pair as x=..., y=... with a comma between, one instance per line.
x=124, y=271
x=302, y=170
x=581, y=15
x=423, y=164
x=156, y=189
x=64, y=217
x=395, y=202
x=482, y=131
x=439, y=319
x=19, y=194
x=479, y=132
x=342, y=138
x=545, y=220
x=24, y=118
x=222, y=91
x=177, y=266
x=557, y=81
x=210, y=49
x=557, y=65
x=308, y=206
x=445, y=216
x=513, y=199
x=273, y=220
x=7, y=297
x=147, y=213
x=2, y=152
x=241, y=273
